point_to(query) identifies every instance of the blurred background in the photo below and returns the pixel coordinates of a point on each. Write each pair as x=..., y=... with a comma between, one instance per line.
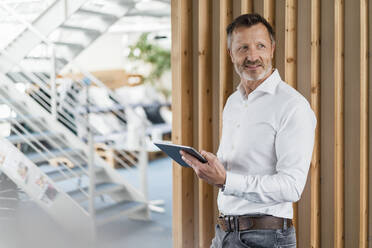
x=85, y=90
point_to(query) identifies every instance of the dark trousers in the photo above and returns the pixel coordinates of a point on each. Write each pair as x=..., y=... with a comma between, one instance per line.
x=277, y=238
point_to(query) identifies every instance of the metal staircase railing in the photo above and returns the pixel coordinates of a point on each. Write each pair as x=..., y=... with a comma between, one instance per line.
x=87, y=165
x=64, y=111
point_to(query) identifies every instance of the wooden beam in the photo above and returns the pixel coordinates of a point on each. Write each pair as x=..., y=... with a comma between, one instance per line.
x=315, y=104
x=290, y=73
x=364, y=134
x=269, y=12
x=225, y=64
x=339, y=124
x=290, y=64
x=206, y=198
x=182, y=90
x=269, y=15
x=246, y=7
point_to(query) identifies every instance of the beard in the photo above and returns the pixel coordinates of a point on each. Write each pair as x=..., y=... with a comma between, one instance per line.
x=240, y=70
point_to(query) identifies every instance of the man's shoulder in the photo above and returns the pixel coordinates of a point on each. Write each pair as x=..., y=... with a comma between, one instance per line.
x=287, y=94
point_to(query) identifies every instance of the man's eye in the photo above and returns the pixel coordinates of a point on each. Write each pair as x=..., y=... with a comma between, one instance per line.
x=261, y=46
x=244, y=48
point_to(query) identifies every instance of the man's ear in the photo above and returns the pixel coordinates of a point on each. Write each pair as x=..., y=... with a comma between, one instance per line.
x=273, y=50
x=231, y=55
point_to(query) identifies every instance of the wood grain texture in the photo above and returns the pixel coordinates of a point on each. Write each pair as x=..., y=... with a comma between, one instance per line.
x=339, y=234
x=246, y=6
x=182, y=109
x=290, y=64
x=315, y=104
x=364, y=123
x=269, y=11
x=225, y=65
x=206, y=199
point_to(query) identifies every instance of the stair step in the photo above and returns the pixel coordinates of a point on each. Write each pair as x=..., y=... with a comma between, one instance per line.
x=19, y=119
x=70, y=45
x=62, y=60
x=113, y=211
x=97, y=13
x=39, y=136
x=40, y=157
x=82, y=29
x=15, y=76
x=57, y=174
x=101, y=188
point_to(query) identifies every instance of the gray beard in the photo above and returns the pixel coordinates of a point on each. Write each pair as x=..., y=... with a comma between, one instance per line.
x=249, y=78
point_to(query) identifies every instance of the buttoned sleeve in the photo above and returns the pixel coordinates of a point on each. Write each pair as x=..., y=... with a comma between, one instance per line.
x=294, y=143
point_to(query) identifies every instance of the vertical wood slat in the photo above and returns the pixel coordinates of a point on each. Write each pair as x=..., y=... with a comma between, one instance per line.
x=315, y=104
x=206, y=199
x=269, y=15
x=339, y=124
x=364, y=134
x=225, y=64
x=183, y=178
x=246, y=7
x=269, y=12
x=290, y=73
x=290, y=63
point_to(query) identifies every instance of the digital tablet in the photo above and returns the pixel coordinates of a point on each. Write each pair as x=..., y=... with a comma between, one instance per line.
x=173, y=151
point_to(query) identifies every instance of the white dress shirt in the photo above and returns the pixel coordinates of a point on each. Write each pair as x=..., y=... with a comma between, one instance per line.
x=266, y=147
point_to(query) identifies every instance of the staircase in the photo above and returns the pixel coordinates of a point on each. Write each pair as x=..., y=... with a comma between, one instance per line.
x=71, y=25
x=59, y=171
x=52, y=132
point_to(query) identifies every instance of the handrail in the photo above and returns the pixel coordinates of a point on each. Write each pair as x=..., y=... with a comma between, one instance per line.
x=39, y=81
x=27, y=140
x=46, y=158
x=35, y=127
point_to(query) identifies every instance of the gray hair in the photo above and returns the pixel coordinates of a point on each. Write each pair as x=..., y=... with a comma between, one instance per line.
x=248, y=20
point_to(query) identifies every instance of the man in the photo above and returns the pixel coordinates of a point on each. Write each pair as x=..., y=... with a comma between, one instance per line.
x=266, y=146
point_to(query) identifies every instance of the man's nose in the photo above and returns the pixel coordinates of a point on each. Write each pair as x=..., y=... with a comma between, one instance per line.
x=252, y=54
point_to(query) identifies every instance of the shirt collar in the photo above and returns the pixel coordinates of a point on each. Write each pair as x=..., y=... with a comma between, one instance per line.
x=267, y=86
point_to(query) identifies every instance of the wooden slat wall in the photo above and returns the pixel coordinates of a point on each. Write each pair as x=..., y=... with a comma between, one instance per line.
x=326, y=73
x=225, y=65
x=269, y=11
x=304, y=87
x=339, y=123
x=326, y=124
x=351, y=123
x=246, y=6
x=182, y=88
x=290, y=64
x=206, y=199
x=315, y=104
x=364, y=133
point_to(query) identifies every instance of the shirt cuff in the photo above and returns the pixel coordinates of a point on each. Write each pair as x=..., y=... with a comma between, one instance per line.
x=234, y=183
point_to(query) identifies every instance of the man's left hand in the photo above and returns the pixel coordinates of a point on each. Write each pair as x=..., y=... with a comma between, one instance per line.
x=212, y=172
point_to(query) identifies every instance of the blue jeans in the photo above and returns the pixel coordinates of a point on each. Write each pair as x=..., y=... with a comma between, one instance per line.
x=276, y=238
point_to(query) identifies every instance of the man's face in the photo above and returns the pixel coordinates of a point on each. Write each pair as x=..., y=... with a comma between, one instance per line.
x=251, y=52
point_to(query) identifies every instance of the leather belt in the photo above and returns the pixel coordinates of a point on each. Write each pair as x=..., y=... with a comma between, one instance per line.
x=232, y=223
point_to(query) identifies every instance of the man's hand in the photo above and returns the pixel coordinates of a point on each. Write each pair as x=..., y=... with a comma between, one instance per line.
x=212, y=172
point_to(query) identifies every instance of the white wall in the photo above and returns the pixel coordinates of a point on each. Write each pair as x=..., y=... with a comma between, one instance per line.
x=106, y=53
